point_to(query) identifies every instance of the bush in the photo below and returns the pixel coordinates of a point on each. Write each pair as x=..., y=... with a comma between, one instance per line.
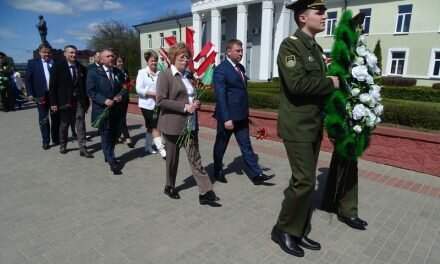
x=397, y=81
x=412, y=114
x=436, y=86
x=420, y=93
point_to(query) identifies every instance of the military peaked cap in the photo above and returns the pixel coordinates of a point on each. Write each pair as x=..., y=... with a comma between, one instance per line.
x=301, y=5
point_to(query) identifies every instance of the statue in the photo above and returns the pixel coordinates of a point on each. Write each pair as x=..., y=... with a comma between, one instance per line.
x=42, y=29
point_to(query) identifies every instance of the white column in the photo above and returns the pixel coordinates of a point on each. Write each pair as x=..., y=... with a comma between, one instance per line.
x=282, y=20
x=266, y=40
x=216, y=32
x=197, y=27
x=242, y=15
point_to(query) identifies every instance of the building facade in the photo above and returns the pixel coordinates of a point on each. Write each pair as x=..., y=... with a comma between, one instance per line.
x=408, y=30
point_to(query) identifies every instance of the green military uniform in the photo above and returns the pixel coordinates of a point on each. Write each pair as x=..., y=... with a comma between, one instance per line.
x=304, y=88
x=341, y=189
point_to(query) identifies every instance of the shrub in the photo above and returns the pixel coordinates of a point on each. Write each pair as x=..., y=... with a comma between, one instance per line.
x=436, y=86
x=419, y=93
x=397, y=81
x=412, y=114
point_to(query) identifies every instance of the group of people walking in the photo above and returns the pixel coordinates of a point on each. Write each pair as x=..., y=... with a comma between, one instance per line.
x=63, y=91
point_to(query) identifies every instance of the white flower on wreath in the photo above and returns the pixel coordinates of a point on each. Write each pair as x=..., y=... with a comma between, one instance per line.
x=359, y=61
x=371, y=60
x=375, y=93
x=362, y=50
x=355, y=91
x=378, y=109
x=360, y=73
x=357, y=129
x=377, y=121
x=370, y=118
x=358, y=111
x=361, y=40
x=369, y=79
x=365, y=98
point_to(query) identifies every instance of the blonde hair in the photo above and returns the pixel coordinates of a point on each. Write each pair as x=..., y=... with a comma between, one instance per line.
x=178, y=49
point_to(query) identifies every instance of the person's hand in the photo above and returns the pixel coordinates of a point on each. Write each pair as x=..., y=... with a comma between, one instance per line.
x=30, y=98
x=190, y=108
x=54, y=108
x=335, y=80
x=197, y=104
x=117, y=99
x=109, y=102
x=229, y=125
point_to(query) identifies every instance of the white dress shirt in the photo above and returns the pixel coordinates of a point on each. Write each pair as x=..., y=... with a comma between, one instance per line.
x=146, y=82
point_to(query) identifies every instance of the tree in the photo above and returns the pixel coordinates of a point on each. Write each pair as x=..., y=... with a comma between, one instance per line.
x=122, y=39
x=378, y=52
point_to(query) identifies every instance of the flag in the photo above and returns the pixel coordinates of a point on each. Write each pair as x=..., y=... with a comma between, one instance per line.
x=170, y=40
x=204, y=51
x=208, y=75
x=190, y=43
x=205, y=64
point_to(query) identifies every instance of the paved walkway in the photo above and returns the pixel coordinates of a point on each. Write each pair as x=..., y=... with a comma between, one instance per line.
x=66, y=209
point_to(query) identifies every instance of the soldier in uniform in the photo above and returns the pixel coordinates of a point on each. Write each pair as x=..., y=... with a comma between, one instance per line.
x=304, y=88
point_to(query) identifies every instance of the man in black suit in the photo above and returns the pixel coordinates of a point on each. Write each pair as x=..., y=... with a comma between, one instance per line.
x=37, y=87
x=68, y=97
x=96, y=62
x=104, y=84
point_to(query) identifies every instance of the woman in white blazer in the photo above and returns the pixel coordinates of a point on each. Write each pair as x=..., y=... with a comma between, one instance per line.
x=146, y=89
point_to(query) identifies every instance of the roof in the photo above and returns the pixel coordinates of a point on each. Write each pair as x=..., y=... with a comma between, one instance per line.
x=184, y=15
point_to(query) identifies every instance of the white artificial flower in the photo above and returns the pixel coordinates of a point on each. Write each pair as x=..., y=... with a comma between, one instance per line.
x=365, y=98
x=360, y=73
x=359, y=111
x=355, y=91
x=371, y=60
x=376, y=87
x=374, y=93
x=378, y=120
x=357, y=129
x=361, y=39
x=376, y=70
x=369, y=79
x=361, y=51
x=372, y=102
x=378, y=109
x=370, y=120
x=359, y=61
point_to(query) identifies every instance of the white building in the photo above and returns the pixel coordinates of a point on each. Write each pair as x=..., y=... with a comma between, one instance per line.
x=408, y=31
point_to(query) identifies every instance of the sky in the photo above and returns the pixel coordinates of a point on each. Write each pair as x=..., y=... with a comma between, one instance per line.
x=71, y=21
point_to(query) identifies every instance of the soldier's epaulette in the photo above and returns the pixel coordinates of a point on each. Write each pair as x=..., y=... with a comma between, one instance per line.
x=293, y=37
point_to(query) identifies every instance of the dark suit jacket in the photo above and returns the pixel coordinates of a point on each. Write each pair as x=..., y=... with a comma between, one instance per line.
x=61, y=85
x=91, y=66
x=35, y=79
x=99, y=89
x=171, y=97
x=230, y=93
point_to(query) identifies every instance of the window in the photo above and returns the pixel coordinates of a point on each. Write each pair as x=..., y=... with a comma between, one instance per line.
x=434, y=65
x=397, y=62
x=174, y=33
x=367, y=20
x=331, y=23
x=404, y=18
x=162, y=44
x=223, y=29
x=149, y=41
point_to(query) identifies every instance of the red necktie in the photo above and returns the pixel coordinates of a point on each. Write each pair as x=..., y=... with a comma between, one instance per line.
x=239, y=72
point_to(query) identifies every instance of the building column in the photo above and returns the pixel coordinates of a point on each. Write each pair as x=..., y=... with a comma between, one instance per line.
x=282, y=21
x=242, y=16
x=266, y=40
x=216, y=32
x=197, y=27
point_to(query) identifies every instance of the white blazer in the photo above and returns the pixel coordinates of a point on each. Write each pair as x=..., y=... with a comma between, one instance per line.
x=146, y=82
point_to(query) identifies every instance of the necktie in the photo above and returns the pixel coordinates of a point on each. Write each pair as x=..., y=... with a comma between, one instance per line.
x=110, y=77
x=48, y=65
x=73, y=72
x=239, y=72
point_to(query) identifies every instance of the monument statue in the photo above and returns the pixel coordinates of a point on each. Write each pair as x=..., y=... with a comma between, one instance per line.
x=42, y=29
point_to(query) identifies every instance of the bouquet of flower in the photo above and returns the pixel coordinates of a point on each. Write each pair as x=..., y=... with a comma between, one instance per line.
x=69, y=105
x=5, y=74
x=97, y=123
x=354, y=110
x=130, y=86
x=259, y=132
x=40, y=101
x=200, y=86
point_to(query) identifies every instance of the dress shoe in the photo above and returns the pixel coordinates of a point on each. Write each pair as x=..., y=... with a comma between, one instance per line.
x=74, y=136
x=46, y=146
x=209, y=198
x=171, y=192
x=363, y=222
x=220, y=176
x=85, y=153
x=353, y=222
x=287, y=242
x=114, y=166
x=63, y=150
x=262, y=178
x=306, y=242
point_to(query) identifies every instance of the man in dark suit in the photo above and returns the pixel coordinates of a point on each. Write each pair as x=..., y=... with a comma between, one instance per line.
x=103, y=87
x=304, y=88
x=37, y=87
x=232, y=111
x=68, y=97
x=96, y=62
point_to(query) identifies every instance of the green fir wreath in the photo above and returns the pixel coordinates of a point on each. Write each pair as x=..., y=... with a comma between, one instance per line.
x=354, y=110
